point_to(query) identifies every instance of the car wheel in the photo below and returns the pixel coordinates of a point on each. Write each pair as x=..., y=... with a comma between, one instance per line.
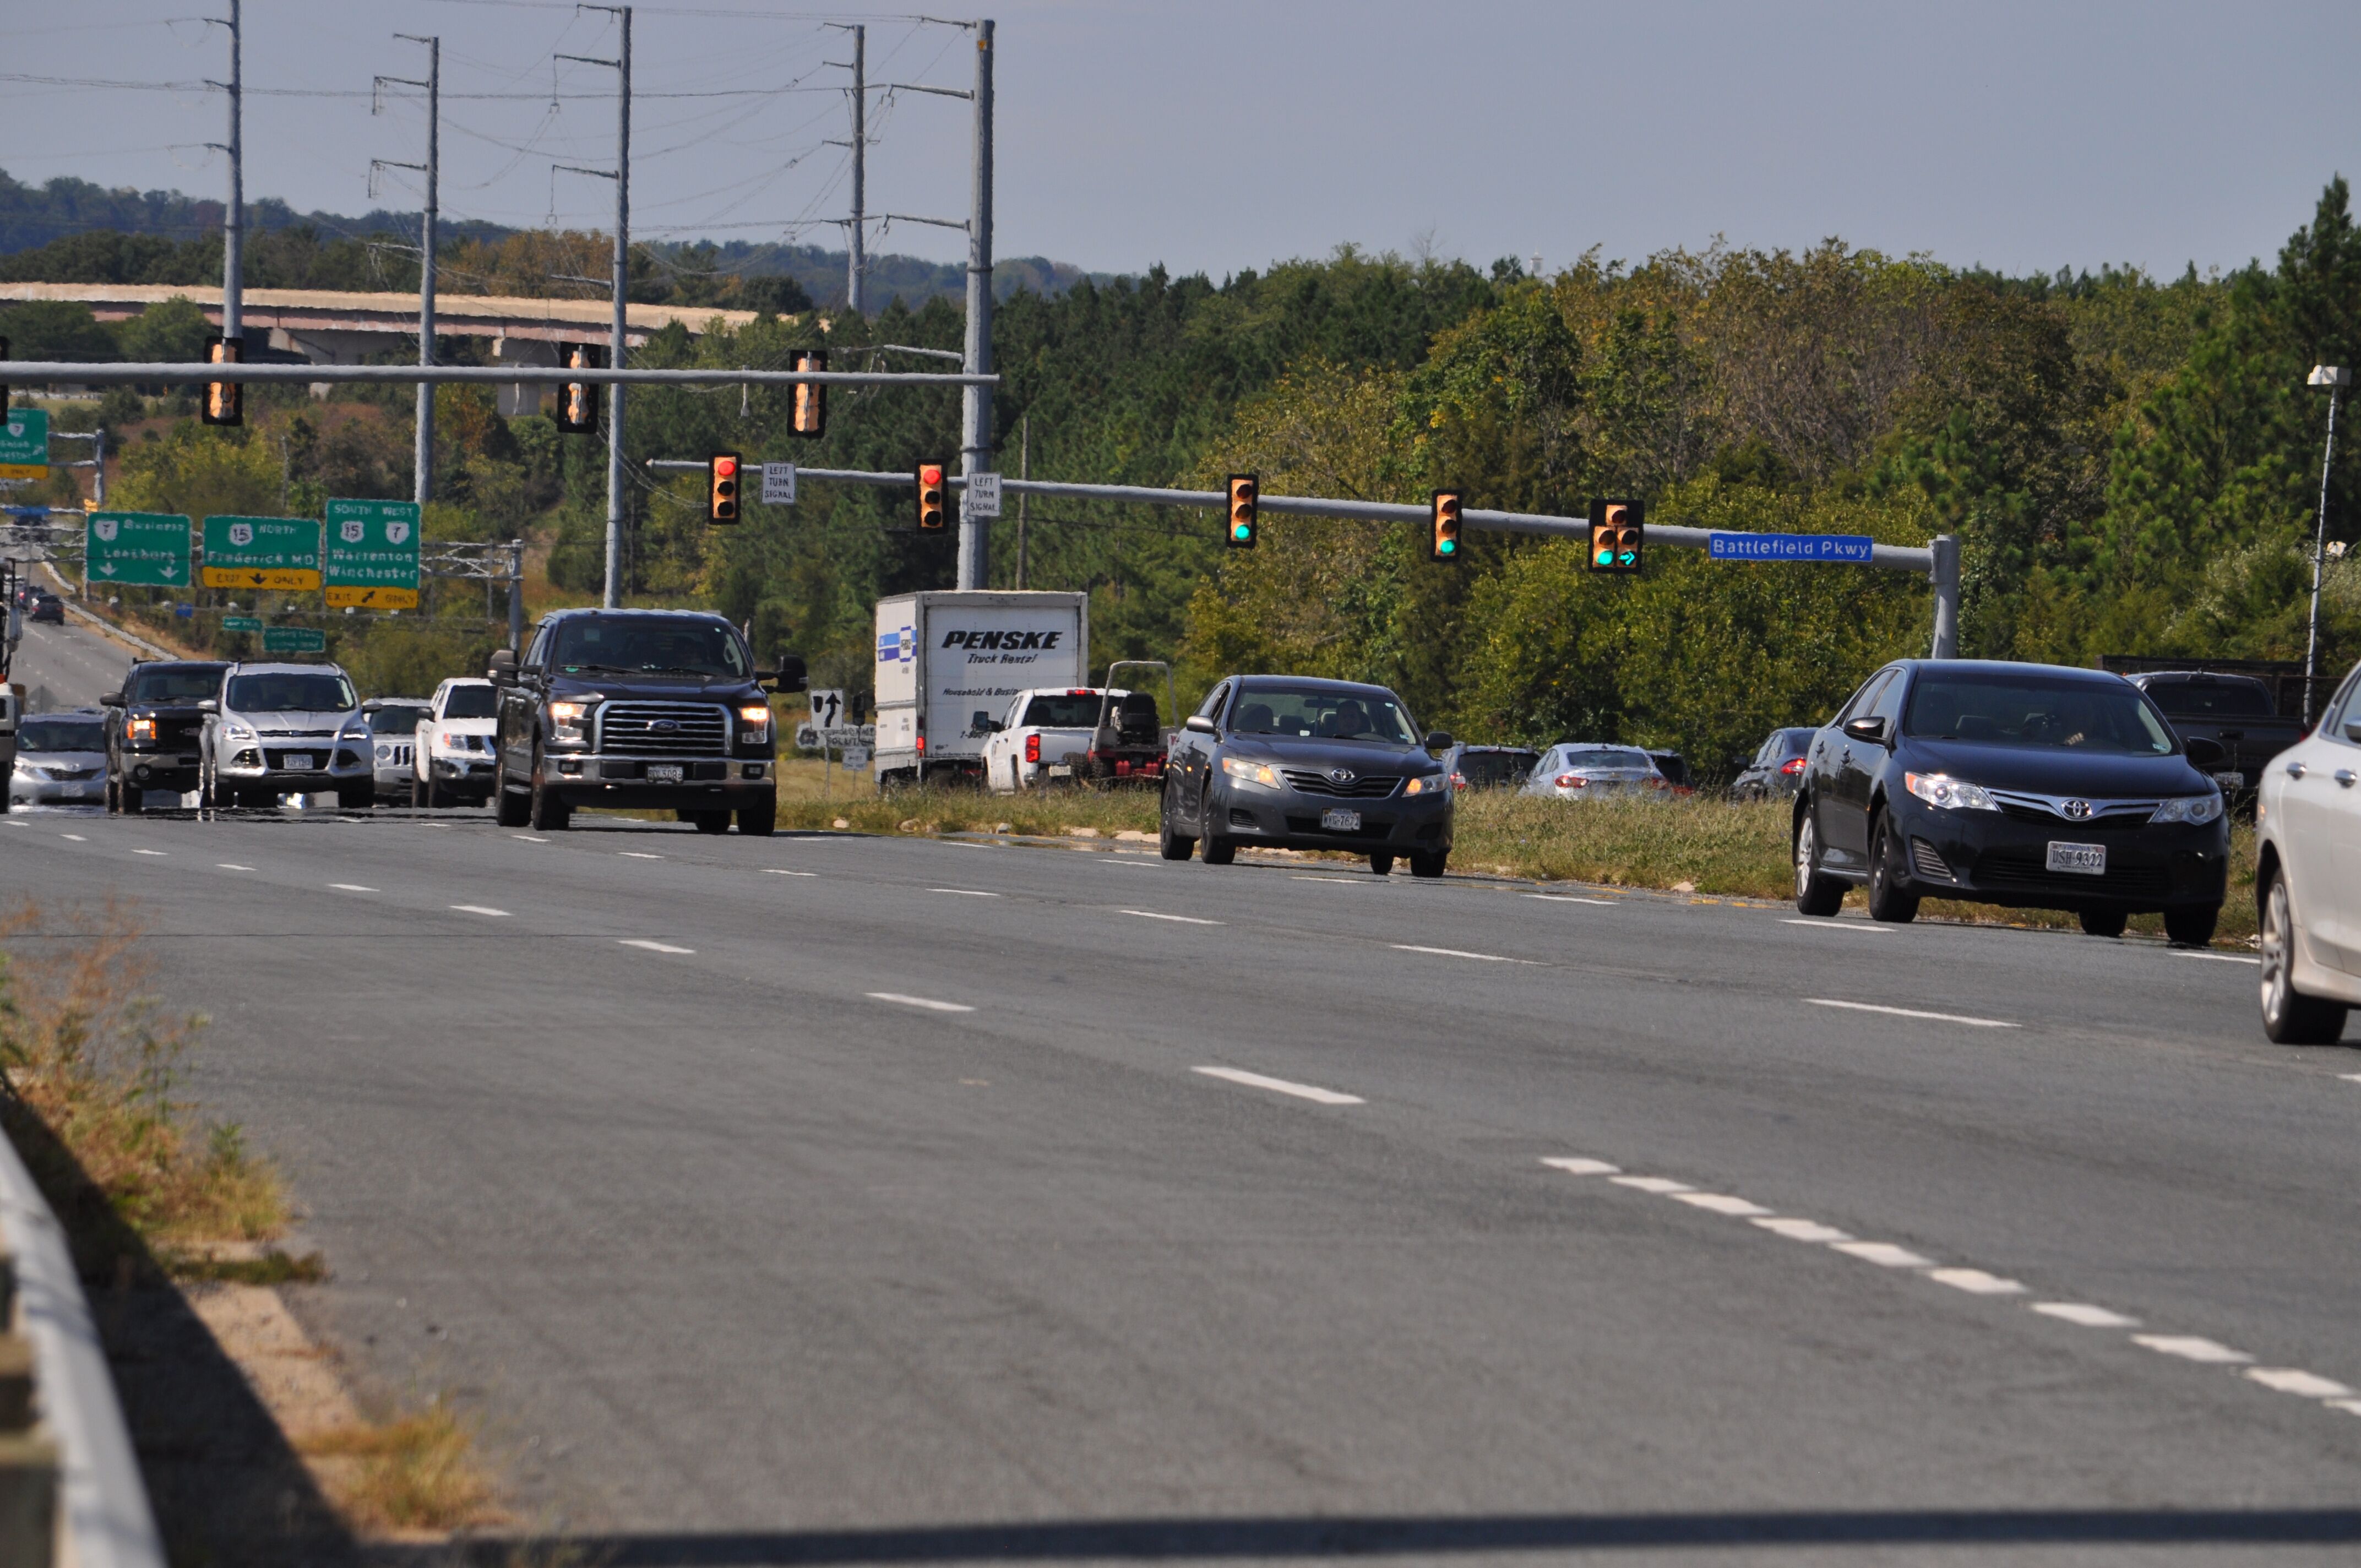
x=2192, y=928
x=361, y=796
x=2104, y=922
x=1428, y=862
x=760, y=820
x=1218, y=850
x=135, y=799
x=1381, y=865
x=1816, y=894
x=113, y=793
x=1887, y=901
x=706, y=821
x=435, y=799
x=545, y=812
x=2290, y=1017
x=1170, y=845
x=513, y=807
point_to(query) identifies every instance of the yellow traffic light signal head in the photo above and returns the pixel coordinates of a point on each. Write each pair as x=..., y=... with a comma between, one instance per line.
x=1617, y=536
x=1442, y=530
x=224, y=402
x=578, y=401
x=932, y=512
x=721, y=488
x=808, y=415
x=1246, y=510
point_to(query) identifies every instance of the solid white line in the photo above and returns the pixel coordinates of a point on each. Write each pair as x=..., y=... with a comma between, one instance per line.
x=1457, y=953
x=2350, y=1077
x=650, y=946
x=1339, y=881
x=639, y=855
x=774, y=870
x=1662, y=1184
x=1182, y=920
x=1886, y=1255
x=2292, y=1380
x=1281, y=1086
x=1914, y=1013
x=928, y=1003
x=1568, y=898
x=149, y=851
x=481, y=909
x=2217, y=958
x=1582, y=1167
x=964, y=891
x=1804, y=1230
x=1721, y=1203
x=1975, y=1281
x=350, y=887
x=2085, y=1314
x=2188, y=1347
x=1853, y=928
x=227, y=867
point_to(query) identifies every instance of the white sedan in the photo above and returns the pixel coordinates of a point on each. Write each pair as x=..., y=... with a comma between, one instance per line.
x=2308, y=877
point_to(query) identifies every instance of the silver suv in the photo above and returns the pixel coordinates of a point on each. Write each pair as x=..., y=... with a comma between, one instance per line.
x=279, y=730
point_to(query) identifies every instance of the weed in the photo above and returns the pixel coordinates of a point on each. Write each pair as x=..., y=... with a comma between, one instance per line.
x=415, y=1472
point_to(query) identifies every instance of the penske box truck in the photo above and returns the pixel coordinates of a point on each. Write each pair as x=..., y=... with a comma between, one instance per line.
x=947, y=663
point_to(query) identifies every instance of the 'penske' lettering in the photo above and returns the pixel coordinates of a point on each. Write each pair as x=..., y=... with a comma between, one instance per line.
x=1012, y=640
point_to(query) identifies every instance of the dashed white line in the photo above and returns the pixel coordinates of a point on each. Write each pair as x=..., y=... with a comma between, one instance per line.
x=928, y=1003
x=1458, y=953
x=156, y=852
x=1886, y=1255
x=1178, y=919
x=226, y=866
x=650, y=946
x=75, y=836
x=2085, y=1314
x=1721, y=1203
x=1851, y=927
x=964, y=891
x=481, y=909
x=2217, y=958
x=350, y=887
x=527, y=838
x=2294, y=1380
x=1569, y=898
x=1651, y=1184
x=1573, y=1167
x=638, y=855
x=1975, y=1281
x=1796, y=1229
x=774, y=871
x=1914, y=1012
x=1339, y=881
x=2190, y=1347
x=2350, y=1077
x=1281, y=1086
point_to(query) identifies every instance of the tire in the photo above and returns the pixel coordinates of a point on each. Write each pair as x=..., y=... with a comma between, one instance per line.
x=1815, y=892
x=545, y=812
x=708, y=821
x=1218, y=851
x=2192, y=928
x=1168, y=844
x=2290, y=1017
x=114, y=793
x=1428, y=862
x=1381, y=865
x=2105, y=922
x=356, y=797
x=511, y=809
x=434, y=799
x=760, y=820
x=135, y=798
x=1887, y=899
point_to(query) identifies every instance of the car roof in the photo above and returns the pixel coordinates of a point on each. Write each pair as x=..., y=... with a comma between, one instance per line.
x=2195, y=677
x=276, y=668
x=1534, y=750
x=1310, y=683
x=2008, y=667
x=181, y=663
x=401, y=701
x=554, y=616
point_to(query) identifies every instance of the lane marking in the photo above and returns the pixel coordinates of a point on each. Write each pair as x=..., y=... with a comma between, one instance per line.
x=1854, y=928
x=2190, y=1347
x=2350, y=1406
x=650, y=946
x=527, y=838
x=1886, y=1255
x=481, y=909
x=150, y=851
x=1458, y=953
x=1569, y=898
x=2085, y=1314
x=639, y=855
x=1583, y=1167
x=1721, y=1203
x=1339, y=881
x=2350, y=1077
x=75, y=836
x=1281, y=1086
x=964, y=891
x=225, y=866
x=2217, y=958
x=1796, y=1229
x=1975, y=1281
x=1914, y=1012
x=928, y=1003
x=1181, y=919
x=350, y=887
x=2294, y=1380
x=1662, y=1184
x=774, y=870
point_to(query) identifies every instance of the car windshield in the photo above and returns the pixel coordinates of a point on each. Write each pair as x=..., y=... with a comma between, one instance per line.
x=652, y=644
x=1316, y=714
x=1484, y=768
x=291, y=691
x=61, y=735
x=1794, y=743
x=471, y=702
x=396, y=718
x=182, y=683
x=2235, y=698
x=1604, y=757
x=1064, y=711
x=2032, y=710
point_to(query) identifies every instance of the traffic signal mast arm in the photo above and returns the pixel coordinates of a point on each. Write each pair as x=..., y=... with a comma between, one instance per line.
x=30, y=372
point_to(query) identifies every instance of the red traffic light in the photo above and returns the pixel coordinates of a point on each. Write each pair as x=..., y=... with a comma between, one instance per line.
x=721, y=488
x=931, y=509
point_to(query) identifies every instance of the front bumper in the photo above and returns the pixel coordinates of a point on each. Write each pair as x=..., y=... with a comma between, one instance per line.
x=269, y=763
x=591, y=779
x=1992, y=857
x=1289, y=819
x=172, y=769
x=26, y=791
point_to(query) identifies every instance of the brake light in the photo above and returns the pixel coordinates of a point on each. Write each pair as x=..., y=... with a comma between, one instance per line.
x=1572, y=780
x=1791, y=765
x=1033, y=747
x=922, y=745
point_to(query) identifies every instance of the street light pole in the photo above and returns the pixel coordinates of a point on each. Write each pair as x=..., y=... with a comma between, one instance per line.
x=975, y=443
x=2334, y=379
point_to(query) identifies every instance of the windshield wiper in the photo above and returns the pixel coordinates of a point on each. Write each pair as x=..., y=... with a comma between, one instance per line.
x=679, y=670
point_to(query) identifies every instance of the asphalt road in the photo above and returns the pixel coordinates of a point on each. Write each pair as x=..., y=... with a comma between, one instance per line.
x=69, y=665
x=828, y=1199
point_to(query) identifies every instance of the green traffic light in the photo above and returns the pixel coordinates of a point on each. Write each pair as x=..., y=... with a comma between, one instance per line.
x=1241, y=531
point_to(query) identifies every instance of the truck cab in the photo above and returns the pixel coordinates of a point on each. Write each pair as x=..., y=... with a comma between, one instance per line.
x=455, y=742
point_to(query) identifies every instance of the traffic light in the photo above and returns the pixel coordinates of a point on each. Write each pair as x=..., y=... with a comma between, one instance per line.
x=578, y=401
x=1442, y=530
x=1616, y=528
x=721, y=488
x=930, y=498
x=809, y=414
x=1245, y=503
x=224, y=402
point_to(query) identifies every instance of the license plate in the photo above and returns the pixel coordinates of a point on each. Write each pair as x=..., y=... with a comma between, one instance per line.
x=663, y=773
x=298, y=761
x=2231, y=781
x=2086, y=859
x=1341, y=821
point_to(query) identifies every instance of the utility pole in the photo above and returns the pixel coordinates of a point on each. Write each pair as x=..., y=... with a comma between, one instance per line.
x=233, y=318
x=1023, y=471
x=2331, y=379
x=856, y=259
x=422, y=482
x=975, y=446
x=622, y=65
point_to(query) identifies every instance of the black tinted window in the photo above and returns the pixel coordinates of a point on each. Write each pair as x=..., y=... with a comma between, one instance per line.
x=1484, y=768
x=60, y=735
x=1310, y=712
x=1062, y=712
x=2033, y=711
x=398, y=719
x=291, y=691
x=471, y=702
x=651, y=644
x=2207, y=699
x=186, y=682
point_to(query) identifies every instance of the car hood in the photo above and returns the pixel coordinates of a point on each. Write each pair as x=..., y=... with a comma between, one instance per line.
x=333, y=721
x=62, y=759
x=626, y=686
x=459, y=726
x=2046, y=771
x=1360, y=756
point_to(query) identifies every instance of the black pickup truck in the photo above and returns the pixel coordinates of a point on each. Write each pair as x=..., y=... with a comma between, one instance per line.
x=152, y=726
x=638, y=708
x=2235, y=711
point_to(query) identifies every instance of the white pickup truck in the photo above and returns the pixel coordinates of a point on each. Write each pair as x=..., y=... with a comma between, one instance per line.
x=1045, y=735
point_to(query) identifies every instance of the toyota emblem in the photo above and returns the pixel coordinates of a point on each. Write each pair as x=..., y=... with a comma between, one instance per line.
x=2077, y=809
x=1341, y=775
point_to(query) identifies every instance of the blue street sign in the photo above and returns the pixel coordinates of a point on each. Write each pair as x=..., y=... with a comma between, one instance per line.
x=1847, y=547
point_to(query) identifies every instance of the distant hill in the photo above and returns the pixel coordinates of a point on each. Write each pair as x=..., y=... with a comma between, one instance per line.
x=34, y=216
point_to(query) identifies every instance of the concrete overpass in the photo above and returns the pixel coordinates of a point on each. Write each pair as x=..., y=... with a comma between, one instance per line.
x=329, y=327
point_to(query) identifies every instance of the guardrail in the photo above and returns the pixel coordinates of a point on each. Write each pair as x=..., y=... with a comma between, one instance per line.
x=69, y=1488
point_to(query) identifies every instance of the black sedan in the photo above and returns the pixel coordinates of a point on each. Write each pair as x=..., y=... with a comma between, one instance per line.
x=48, y=607
x=2034, y=785
x=1776, y=768
x=1307, y=765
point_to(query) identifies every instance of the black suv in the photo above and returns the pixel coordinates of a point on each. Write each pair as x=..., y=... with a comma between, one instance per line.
x=152, y=726
x=638, y=708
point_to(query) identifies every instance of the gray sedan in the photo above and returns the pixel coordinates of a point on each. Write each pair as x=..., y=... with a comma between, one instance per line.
x=1587, y=770
x=61, y=760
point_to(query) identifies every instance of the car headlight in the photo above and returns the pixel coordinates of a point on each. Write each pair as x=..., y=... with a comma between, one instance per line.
x=2189, y=808
x=238, y=732
x=1942, y=789
x=1426, y=784
x=1261, y=774
x=568, y=719
x=139, y=729
x=755, y=713
x=385, y=753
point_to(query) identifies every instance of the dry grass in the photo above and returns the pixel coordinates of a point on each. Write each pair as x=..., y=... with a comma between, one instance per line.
x=417, y=1472
x=1047, y=814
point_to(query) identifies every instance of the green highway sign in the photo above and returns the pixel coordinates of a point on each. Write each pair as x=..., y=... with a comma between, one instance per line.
x=241, y=623
x=138, y=549
x=24, y=444
x=293, y=640
x=262, y=553
x=372, y=559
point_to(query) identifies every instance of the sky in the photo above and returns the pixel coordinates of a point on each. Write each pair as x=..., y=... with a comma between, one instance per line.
x=1215, y=135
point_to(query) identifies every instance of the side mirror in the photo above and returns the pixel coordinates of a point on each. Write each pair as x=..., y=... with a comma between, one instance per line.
x=1201, y=724
x=112, y=699
x=2352, y=730
x=792, y=675
x=981, y=723
x=2203, y=753
x=501, y=668
x=209, y=704
x=1866, y=730
x=1437, y=740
